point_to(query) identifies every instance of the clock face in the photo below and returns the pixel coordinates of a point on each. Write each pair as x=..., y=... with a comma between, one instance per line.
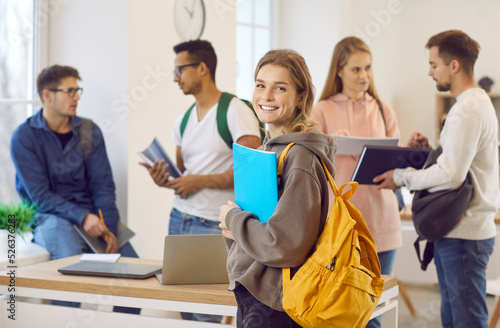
x=189, y=18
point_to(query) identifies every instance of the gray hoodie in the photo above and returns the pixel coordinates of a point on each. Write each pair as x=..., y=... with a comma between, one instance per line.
x=260, y=250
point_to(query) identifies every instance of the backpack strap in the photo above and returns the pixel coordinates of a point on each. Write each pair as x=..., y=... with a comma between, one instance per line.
x=185, y=119
x=428, y=253
x=281, y=163
x=85, y=134
x=222, y=126
x=379, y=103
x=261, y=125
x=221, y=118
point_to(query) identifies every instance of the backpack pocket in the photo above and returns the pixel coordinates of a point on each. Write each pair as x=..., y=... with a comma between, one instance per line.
x=350, y=298
x=301, y=298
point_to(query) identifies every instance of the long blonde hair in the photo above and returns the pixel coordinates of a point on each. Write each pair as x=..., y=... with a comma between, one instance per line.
x=343, y=50
x=296, y=66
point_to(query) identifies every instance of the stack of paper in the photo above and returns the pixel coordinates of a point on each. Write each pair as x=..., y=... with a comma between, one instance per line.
x=354, y=145
x=100, y=257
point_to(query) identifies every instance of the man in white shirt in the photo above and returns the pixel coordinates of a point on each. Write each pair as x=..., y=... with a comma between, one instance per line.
x=469, y=141
x=203, y=157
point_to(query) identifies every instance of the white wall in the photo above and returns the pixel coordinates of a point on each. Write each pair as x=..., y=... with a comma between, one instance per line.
x=154, y=109
x=312, y=29
x=91, y=35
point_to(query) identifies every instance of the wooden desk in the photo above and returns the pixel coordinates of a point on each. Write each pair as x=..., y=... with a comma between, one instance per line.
x=44, y=282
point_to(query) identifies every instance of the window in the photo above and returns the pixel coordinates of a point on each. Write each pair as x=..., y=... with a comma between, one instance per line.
x=254, y=37
x=19, y=37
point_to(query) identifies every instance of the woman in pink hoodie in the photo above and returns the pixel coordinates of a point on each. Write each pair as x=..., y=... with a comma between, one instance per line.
x=350, y=106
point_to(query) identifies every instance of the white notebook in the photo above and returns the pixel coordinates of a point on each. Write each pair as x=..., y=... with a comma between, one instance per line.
x=354, y=145
x=113, y=257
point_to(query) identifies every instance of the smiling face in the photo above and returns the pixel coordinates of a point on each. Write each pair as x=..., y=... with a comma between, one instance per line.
x=356, y=75
x=439, y=70
x=275, y=98
x=61, y=103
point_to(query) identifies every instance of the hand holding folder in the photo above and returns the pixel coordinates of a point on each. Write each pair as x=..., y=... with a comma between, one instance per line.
x=375, y=160
x=99, y=245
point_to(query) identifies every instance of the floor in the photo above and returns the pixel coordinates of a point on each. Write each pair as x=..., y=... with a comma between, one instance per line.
x=427, y=302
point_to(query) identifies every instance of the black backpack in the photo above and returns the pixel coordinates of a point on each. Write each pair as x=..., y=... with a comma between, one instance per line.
x=435, y=214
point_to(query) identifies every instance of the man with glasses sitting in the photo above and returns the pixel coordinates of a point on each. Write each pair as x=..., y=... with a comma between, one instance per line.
x=54, y=174
x=202, y=155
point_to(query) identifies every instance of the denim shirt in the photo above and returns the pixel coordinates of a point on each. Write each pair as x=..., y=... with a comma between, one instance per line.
x=54, y=179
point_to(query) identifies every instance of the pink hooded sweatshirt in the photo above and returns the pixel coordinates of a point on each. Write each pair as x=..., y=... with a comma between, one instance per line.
x=362, y=118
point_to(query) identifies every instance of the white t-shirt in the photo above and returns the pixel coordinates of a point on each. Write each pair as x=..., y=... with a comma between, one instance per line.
x=205, y=152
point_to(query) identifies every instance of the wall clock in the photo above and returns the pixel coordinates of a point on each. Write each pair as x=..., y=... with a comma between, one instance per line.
x=189, y=18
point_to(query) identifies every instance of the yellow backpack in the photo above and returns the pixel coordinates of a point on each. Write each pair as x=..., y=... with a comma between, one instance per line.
x=339, y=285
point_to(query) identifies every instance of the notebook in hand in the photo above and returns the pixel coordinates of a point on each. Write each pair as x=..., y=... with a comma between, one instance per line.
x=255, y=181
x=154, y=152
x=98, y=245
x=194, y=259
x=375, y=160
x=111, y=269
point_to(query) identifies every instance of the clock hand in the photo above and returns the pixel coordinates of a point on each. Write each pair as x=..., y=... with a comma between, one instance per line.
x=193, y=3
x=189, y=12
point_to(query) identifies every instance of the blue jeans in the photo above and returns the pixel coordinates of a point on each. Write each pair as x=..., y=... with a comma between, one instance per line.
x=60, y=239
x=185, y=224
x=386, y=263
x=461, y=269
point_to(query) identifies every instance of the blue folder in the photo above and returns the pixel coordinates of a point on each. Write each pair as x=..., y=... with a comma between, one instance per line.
x=255, y=181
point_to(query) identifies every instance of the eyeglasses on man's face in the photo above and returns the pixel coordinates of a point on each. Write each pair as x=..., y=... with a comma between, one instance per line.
x=178, y=69
x=71, y=91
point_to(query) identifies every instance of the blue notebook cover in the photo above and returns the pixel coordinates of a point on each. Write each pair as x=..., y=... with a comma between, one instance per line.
x=154, y=152
x=255, y=181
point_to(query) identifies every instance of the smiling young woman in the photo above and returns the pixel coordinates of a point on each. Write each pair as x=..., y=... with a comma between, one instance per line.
x=283, y=98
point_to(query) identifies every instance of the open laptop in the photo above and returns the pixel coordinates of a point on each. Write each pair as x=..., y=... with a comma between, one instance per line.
x=194, y=259
x=111, y=269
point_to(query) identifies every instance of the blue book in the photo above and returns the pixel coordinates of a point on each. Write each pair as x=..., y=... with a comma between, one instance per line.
x=155, y=152
x=255, y=181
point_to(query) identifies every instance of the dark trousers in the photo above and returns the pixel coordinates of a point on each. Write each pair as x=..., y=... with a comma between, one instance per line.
x=254, y=314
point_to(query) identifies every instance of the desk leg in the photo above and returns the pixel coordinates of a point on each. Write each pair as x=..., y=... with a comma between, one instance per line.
x=406, y=298
x=495, y=315
x=390, y=318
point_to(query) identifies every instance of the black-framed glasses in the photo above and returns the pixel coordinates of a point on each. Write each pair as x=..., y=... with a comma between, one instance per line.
x=178, y=69
x=71, y=91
